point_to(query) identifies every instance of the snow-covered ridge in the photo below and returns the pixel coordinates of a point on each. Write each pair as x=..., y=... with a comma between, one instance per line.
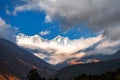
x=62, y=40
x=36, y=39
x=56, y=50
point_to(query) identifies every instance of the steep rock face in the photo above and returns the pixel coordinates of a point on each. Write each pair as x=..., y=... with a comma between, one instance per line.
x=89, y=68
x=16, y=62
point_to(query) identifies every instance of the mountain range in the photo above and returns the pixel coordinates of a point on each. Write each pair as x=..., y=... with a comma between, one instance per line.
x=16, y=62
x=95, y=68
x=56, y=50
x=88, y=59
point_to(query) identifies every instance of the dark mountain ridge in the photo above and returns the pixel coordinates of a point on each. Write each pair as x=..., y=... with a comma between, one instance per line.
x=90, y=68
x=15, y=61
x=89, y=59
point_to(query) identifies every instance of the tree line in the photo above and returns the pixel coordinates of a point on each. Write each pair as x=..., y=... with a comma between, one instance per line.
x=105, y=76
x=33, y=75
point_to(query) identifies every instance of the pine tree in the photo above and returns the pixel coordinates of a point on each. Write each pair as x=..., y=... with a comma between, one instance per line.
x=33, y=75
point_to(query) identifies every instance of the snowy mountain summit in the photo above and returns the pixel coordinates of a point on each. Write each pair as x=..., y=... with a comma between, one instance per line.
x=62, y=40
x=36, y=39
x=57, y=49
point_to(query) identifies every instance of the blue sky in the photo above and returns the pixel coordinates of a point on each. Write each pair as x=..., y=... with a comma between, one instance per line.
x=33, y=22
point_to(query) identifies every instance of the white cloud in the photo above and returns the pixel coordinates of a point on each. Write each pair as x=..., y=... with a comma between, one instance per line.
x=108, y=44
x=8, y=12
x=100, y=15
x=57, y=49
x=33, y=5
x=105, y=46
x=48, y=19
x=6, y=31
x=46, y=32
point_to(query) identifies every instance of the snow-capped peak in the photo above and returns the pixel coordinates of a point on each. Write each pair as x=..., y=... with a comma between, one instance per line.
x=36, y=39
x=58, y=49
x=62, y=40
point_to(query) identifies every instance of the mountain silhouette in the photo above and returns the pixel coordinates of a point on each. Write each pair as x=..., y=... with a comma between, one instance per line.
x=16, y=62
x=69, y=72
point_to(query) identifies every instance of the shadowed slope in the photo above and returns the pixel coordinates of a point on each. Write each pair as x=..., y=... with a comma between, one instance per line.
x=90, y=68
x=16, y=61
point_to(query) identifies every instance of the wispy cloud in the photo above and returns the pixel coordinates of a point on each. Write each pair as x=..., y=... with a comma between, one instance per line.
x=8, y=12
x=46, y=32
x=6, y=31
